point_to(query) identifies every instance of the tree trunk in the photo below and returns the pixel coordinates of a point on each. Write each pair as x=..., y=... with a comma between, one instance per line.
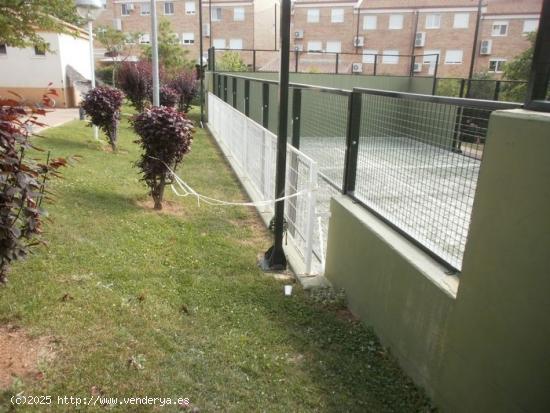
x=113, y=135
x=158, y=193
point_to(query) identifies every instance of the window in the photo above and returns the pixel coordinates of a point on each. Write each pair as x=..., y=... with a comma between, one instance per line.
x=454, y=57
x=190, y=7
x=369, y=55
x=390, y=57
x=433, y=21
x=216, y=14
x=125, y=9
x=314, y=46
x=334, y=46
x=396, y=22
x=461, y=20
x=236, y=44
x=337, y=15
x=238, y=14
x=168, y=8
x=145, y=38
x=40, y=50
x=145, y=9
x=188, y=38
x=530, y=26
x=313, y=15
x=430, y=56
x=3, y=50
x=499, y=29
x=496, y=65
x=369, y=22
x=219, y=43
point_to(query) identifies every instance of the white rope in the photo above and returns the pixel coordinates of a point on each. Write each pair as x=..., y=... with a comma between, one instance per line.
x=187, y=190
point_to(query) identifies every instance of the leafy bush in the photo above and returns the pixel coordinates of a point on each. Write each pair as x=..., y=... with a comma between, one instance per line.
x=231, y=62
x=135, y=80
x=448, y=87
x=168, y=96
x=23, y=182
x=165, y=137
x=187, y=87
x=103, y=104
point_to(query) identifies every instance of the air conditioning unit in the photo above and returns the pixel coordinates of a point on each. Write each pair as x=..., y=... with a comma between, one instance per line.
x=206, y=30
x=420, y=39
x=417, y=68
x=486, y=46
x=299, y=34
x=130, y=6
x=358, y=41
x=117, y=24
x=298, y=48
x=356, y=67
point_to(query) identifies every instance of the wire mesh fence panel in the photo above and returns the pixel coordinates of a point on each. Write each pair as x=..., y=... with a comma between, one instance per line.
x=251, y=151
x=417, y=166
x=323, y=124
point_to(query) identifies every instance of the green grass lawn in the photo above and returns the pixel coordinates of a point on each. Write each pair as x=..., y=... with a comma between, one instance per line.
x=180, y=294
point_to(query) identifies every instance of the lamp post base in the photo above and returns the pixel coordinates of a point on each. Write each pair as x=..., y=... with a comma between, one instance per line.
x=273, y=260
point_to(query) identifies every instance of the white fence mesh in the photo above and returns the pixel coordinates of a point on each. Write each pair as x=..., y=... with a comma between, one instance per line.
x=251, y=151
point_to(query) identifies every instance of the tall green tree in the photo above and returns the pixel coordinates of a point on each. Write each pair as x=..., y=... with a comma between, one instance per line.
x=519, y=69
x=21, y=19
x=172, y=55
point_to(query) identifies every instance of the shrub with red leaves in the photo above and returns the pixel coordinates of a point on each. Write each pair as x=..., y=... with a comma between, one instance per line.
x=168, y=96
x=22, y=180
x=135, y=80
x=102, y=105
x=165, y=137
x=187, y=87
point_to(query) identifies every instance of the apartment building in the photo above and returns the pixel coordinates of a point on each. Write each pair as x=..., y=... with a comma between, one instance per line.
x=227, y=24
x=387, y=32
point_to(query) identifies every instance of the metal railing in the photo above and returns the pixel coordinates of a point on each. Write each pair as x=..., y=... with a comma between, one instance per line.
x=250, y=149
x=413, y=160
x=258, y=60
x=486, y=89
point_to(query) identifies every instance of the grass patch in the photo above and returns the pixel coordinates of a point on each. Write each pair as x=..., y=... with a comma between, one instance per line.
x=172, y=304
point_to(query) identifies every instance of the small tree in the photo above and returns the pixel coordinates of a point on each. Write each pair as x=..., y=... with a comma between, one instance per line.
x=187, y=87
x=103, y=104
x=165, y=137
x=135, y=79
x=119, y=46
x=168, y=96
x=22, y=182
x=519, y=69
x=172, y=55
x=231, y=62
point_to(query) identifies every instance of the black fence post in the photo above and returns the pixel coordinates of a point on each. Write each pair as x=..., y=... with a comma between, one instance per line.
x=375, y=63
x=213, y=57
x=225, y=88
x=353, y=135
x=497, y=90
x=247, y=97
x=462, y=86
x=265, y=105
x=254, y=60
x=337, y=61
x=434, y=87
x=296, y=57
x=296, y=116
x=234, y=92
x=219, y=94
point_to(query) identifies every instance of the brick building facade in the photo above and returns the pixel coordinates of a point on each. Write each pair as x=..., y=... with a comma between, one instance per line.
x=226, y=24
x=387, y=32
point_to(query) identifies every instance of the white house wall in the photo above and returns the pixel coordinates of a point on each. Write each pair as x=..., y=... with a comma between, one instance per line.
x=74, y=51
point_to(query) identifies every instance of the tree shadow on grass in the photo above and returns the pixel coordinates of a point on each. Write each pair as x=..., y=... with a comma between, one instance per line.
x=103, y=201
